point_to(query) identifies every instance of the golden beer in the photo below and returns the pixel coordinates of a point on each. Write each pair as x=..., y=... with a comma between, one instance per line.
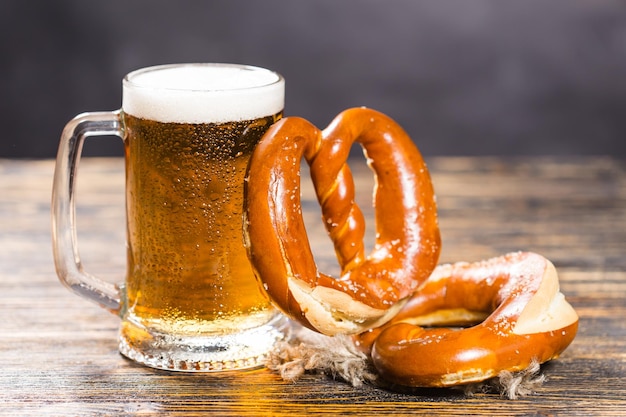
x=191, y=300
x=188, y=270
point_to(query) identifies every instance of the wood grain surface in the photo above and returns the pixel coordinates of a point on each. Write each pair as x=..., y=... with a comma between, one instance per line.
x=58, y=353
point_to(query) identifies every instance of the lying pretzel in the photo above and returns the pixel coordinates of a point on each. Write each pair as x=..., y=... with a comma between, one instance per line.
x=370, y=290
x=527, y=320
x=374, y=290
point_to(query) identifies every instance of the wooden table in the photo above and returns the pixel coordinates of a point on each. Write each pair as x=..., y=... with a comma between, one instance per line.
x=58, y=353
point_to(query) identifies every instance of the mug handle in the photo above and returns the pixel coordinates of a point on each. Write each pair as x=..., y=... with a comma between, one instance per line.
x=66, y=256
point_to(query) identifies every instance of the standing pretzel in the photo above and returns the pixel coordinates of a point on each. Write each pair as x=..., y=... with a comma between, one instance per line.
x=371, y=289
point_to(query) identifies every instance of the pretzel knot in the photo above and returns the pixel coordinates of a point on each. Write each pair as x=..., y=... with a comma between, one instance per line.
x=371, y=289
x=384, y=299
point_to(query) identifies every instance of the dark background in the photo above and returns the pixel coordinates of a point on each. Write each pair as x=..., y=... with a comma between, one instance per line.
x=462, y=77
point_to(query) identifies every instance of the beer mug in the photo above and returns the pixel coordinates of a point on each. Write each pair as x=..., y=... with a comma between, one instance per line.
x=190, y=301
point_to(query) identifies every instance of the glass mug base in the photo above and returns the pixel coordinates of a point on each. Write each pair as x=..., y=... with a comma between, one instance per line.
x=246, y=349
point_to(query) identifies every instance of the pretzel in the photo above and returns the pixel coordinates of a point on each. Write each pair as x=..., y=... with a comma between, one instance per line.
x=384, y=299
x=370, y=290
x=528, y=319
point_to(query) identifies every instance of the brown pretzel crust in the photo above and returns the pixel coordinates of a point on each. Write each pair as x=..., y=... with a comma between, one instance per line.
x=371, y=289
x=528, y=320
x=515, y=299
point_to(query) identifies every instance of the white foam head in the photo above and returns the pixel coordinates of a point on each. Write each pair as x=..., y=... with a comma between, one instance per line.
x=203, y=93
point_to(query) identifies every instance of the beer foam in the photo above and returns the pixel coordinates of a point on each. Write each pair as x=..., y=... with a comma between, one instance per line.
x=202, y=93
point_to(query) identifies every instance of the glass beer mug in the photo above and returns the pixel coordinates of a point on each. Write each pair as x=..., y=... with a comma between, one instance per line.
x=190, y=301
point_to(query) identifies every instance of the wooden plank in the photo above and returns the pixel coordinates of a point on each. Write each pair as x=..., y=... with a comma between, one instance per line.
x=58, y=353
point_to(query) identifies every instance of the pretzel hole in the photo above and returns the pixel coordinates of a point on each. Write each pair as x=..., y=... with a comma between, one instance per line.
x=364, y=183
x=453, y=318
